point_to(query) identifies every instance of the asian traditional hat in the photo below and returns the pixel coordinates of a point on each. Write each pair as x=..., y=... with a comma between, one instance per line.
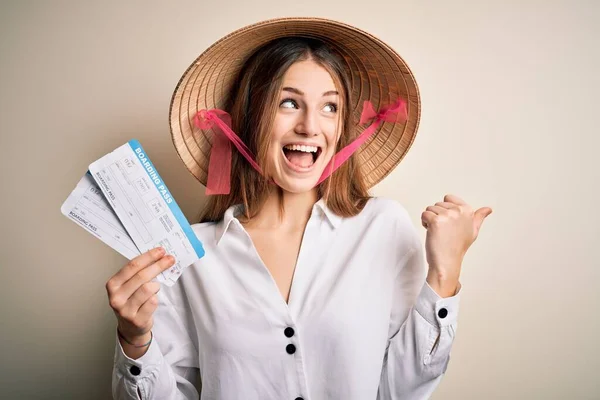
x=379, y=80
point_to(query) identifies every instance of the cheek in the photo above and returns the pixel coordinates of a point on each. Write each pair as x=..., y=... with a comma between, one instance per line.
x=276, y=135
x=282, y=125
x=332, y=138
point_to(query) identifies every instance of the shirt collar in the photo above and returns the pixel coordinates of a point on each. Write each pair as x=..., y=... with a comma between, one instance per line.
x=232, y=212
x=333, y=219
x=223, y=225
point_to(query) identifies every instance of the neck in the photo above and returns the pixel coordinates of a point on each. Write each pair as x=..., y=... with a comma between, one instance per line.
x=284, y=210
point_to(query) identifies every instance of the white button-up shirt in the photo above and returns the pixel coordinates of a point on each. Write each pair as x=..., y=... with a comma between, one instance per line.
x=361, y=321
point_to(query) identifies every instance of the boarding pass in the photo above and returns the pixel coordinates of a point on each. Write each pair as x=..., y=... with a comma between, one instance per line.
x=87, y=206
x=143, y=206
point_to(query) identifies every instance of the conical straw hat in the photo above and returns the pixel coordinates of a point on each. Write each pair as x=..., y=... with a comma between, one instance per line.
x=377, y=74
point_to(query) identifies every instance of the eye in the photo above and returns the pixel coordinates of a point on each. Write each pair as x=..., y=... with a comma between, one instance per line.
x=285, y=103
x=331, y=107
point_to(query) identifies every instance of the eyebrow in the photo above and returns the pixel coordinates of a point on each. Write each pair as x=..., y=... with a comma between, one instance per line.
x=299, y=92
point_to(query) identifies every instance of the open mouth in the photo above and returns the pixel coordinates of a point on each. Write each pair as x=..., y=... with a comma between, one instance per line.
x=301, y=156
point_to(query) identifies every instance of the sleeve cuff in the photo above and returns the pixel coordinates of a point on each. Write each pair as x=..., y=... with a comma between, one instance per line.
x=140, y=368
x=436, y=310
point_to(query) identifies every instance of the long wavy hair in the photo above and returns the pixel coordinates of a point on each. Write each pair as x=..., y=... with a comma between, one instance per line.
x=253, y=104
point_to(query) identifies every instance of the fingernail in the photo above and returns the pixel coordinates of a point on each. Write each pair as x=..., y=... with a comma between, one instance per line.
x=159, y=251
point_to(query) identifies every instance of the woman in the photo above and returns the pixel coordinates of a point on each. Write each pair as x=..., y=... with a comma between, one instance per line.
x=310, y=288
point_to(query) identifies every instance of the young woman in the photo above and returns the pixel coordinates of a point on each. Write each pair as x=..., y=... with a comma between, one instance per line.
x=310, y=288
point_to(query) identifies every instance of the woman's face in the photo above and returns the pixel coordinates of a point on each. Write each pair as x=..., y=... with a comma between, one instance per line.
x=305, y=128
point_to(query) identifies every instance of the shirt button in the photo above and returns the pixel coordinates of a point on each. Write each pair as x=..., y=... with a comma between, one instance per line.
x=289, y=332
x=442, y=313
x=135, y=370
x=290, y=348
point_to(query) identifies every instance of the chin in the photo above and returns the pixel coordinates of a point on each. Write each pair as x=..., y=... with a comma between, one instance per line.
x=296, y=186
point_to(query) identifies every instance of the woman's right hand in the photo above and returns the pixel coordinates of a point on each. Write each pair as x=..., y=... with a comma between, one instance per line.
x=132, y=296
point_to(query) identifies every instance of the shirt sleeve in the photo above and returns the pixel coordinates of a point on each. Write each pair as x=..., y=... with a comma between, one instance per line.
x=168, y=370
x=422, y=331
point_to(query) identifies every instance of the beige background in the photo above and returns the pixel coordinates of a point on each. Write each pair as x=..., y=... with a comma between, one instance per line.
x=510, y=112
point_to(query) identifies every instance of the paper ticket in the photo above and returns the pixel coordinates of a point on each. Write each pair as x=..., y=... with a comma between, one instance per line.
x=145, y=207
x=87, y=207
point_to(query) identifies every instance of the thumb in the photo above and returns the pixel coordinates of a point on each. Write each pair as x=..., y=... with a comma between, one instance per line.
x=480, y=215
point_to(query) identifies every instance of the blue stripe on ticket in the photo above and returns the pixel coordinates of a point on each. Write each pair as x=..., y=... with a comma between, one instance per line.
x=169, y=200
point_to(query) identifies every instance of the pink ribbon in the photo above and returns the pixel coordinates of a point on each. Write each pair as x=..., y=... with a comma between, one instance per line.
x=396, y=112
x=219, y=167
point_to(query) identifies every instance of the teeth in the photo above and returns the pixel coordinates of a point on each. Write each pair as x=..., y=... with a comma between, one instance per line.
x=297, y=147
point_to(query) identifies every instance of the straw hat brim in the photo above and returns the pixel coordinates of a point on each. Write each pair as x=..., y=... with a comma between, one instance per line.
x=377, y=73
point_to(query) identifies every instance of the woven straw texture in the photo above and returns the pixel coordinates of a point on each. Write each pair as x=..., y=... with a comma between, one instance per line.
x=377, y=73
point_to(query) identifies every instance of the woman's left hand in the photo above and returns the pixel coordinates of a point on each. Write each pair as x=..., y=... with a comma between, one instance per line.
x=452, y=227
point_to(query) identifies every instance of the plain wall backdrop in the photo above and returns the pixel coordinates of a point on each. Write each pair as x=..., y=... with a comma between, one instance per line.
x=510, y=115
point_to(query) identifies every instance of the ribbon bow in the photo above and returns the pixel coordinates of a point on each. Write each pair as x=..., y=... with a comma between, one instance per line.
x=396, y=112
x=393, y=113
x=219, y=167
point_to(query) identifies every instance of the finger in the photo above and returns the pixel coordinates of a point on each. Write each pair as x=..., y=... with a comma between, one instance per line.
x=147, y=309
x=446, y=204
x=454, y=199
x=427, y=218
x=140, y=296
x=480, y=215
x=146, y=275
x=134, y=266
x=437, y=210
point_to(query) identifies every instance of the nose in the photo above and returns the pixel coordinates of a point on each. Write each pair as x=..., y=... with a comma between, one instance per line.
x=308, y=124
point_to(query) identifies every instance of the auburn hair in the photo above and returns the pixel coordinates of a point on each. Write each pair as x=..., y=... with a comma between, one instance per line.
x=253, y=105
